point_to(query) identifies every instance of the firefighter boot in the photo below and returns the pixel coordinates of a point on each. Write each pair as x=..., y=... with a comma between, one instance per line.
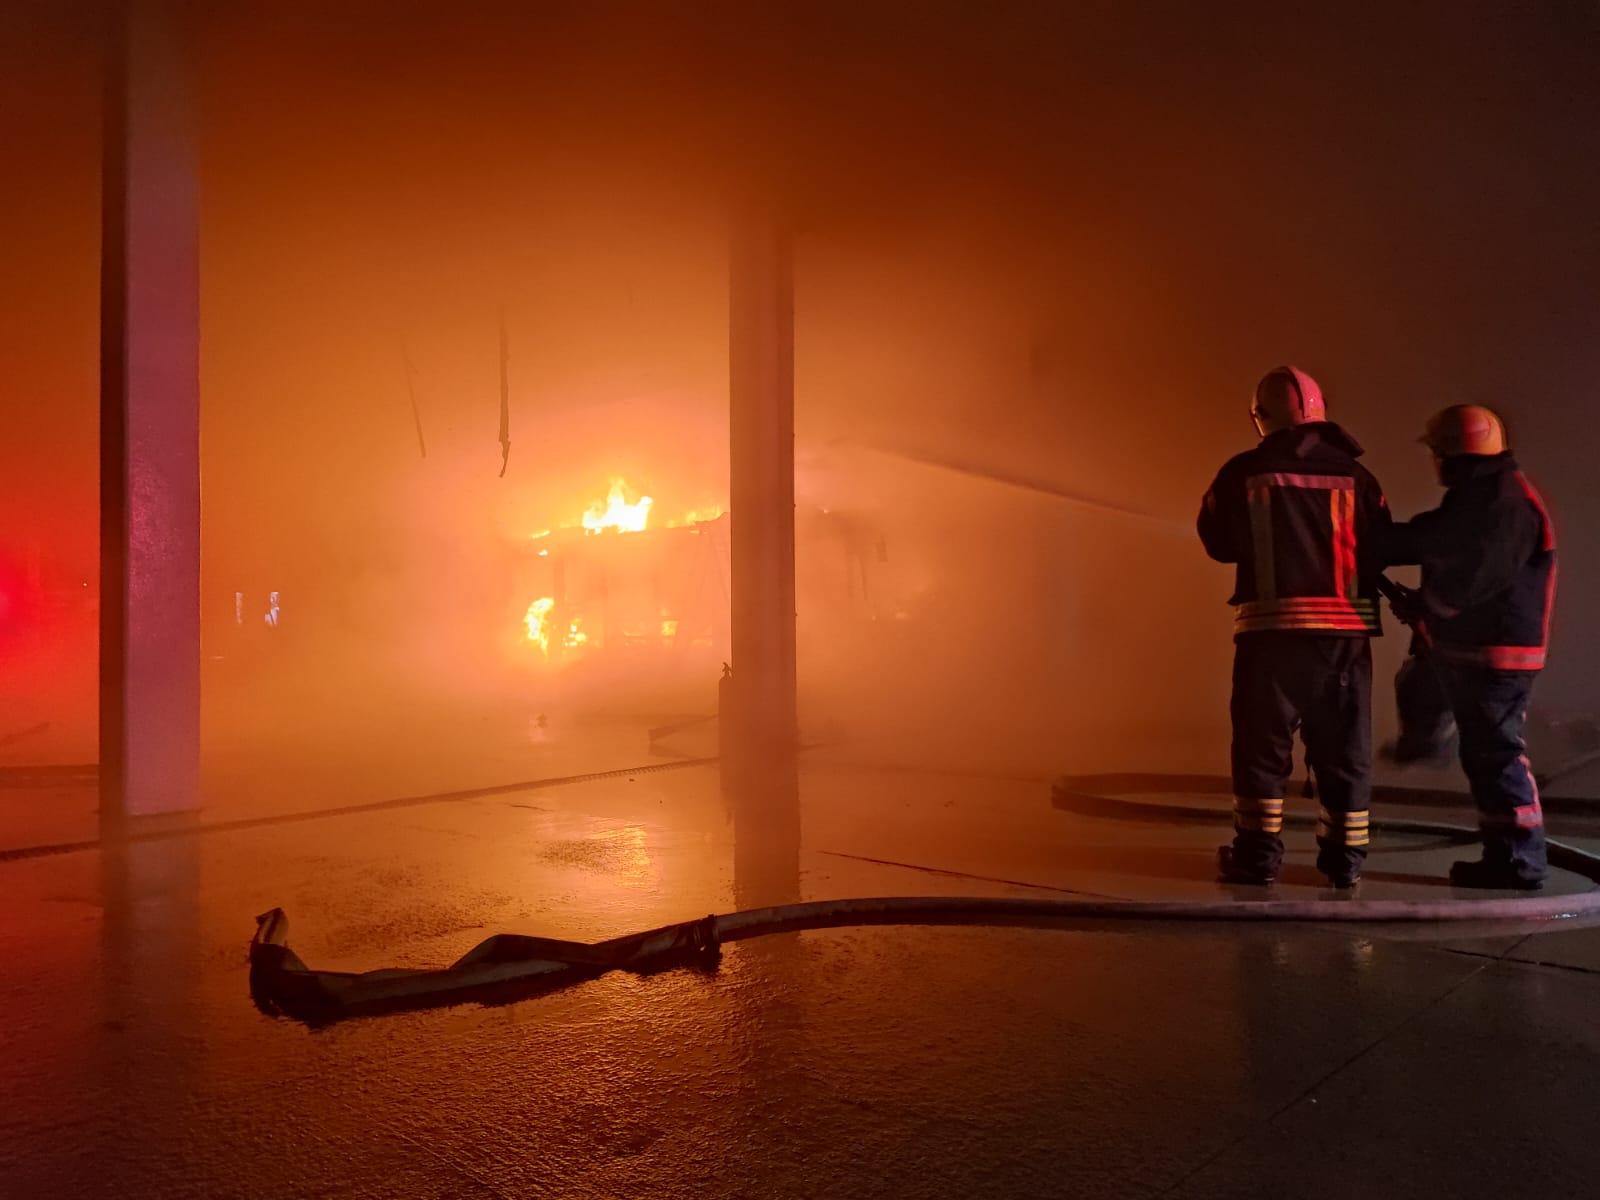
x=1342, y=869
x=1231, y=871
x=1494, y=874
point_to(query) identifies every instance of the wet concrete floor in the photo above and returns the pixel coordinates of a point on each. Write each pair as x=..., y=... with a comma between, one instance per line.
x=1164, y=1060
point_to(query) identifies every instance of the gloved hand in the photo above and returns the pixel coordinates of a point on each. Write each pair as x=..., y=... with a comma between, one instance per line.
x=1406, y=604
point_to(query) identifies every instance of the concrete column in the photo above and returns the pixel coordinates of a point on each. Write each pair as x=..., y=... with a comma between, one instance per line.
x=763, y=796
x=761, y=486
x=149, y=425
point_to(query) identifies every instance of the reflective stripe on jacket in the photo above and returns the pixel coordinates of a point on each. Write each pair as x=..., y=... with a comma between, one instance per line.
x=1488, y=558
x=1297, y=515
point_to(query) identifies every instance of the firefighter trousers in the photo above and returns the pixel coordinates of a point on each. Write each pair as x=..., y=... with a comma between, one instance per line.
x=1320, y=685
x=1491, y=712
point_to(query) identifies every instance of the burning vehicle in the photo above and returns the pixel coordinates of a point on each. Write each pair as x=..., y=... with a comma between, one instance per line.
x=624, y=579
x=615, y=581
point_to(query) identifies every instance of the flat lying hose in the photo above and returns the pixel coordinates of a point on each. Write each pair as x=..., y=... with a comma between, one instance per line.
x=513, y=966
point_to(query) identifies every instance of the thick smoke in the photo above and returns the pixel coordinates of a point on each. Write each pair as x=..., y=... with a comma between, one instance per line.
x=1053, y=247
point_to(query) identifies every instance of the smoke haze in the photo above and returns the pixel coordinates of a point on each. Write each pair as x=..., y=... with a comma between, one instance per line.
x=1055, y=243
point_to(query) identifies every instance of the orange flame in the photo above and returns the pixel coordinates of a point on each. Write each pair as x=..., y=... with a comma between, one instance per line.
x=616, y=513
x=537, y=621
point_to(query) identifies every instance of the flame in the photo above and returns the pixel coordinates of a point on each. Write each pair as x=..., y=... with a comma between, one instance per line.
x=536, y=619
x=616, y=513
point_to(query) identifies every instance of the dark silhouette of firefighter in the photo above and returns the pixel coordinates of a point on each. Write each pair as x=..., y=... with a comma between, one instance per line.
x=1300, y=518
x=1482, y=622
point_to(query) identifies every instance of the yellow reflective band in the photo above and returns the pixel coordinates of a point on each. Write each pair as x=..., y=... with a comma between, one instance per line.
x=1304, y=627
x=1241, y=804
x=1342, y=613
x=1292, y=604
x=1257, y=824
x=1342, y=837
x=1350, y=820
x=1258, y=816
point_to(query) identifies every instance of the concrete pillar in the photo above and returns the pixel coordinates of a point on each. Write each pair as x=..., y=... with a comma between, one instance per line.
x=149, y=425
x=763, y=797
x=761, y=486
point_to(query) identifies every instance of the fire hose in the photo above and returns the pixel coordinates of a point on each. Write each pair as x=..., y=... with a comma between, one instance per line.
x=514, y=966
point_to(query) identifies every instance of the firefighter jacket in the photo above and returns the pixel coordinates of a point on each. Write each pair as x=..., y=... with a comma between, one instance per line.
x=1299, y=516
x=1488, y=558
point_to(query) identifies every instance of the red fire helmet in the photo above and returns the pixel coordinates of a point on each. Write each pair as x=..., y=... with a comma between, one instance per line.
x=1465, y=429
x=1285, y=397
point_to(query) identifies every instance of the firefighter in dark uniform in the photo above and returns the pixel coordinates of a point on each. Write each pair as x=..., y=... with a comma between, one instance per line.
x=1300, y=517
x=1482, y=614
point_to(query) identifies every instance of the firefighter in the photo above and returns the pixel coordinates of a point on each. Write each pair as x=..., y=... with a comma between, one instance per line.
x=1299, y=516
x=1488, y=558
